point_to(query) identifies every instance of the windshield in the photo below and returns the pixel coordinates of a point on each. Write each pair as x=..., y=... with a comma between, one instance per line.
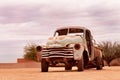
x=69, y=31
x=74, y=30
x=61, y=32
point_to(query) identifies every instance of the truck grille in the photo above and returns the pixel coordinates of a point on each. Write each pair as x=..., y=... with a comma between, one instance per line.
x=57, y=52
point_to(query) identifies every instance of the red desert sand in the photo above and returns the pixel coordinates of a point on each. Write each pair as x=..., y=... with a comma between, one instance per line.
x=58, y=73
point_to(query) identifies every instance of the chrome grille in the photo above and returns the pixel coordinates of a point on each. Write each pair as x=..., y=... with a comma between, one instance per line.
x=57, y=52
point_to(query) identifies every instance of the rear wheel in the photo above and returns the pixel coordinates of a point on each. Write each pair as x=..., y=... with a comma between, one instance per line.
x=44, y=65
x=80, y=64
x=99, y=63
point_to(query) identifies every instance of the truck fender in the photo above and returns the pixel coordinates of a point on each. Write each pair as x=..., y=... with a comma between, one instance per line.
x=78, y=53
x=97, y=52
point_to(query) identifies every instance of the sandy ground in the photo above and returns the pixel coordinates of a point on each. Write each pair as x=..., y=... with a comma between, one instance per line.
x=108, y=73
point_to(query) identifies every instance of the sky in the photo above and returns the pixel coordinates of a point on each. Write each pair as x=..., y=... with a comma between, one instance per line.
x=23, y=22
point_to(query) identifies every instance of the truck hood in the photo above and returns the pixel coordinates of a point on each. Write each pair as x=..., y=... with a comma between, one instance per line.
x=63, y=41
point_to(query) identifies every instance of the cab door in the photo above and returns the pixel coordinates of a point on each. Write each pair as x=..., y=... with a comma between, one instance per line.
x=90, y=46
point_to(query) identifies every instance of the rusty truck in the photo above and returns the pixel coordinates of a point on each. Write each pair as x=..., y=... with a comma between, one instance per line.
x=71, y=46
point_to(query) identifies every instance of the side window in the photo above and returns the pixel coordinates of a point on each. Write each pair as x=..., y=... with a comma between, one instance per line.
x=61, y=32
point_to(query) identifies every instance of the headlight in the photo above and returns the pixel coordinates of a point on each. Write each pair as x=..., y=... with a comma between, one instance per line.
x=39, y=48
x=77, y=46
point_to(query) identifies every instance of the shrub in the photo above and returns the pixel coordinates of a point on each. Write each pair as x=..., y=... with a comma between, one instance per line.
x=30, y=52
x=110, y=50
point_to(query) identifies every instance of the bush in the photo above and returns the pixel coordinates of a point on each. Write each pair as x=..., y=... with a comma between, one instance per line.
x=30, y=52
x=110, y=50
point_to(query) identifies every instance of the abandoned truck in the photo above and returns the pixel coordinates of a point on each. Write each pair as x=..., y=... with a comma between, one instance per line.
x=73, y=46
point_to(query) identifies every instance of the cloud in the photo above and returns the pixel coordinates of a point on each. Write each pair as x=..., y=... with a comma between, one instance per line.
x=26, y=21
x=103, y=15
x=20, y=13
x=43, y=11
x=51, y=13
x=23, y=31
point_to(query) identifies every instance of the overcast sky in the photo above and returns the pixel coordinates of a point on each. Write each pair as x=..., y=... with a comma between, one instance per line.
x=33, y=21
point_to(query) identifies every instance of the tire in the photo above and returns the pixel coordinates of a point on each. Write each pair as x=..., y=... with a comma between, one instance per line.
x=44, y=65
x=103, y=61
x=68, y=66
x=80, y=64
x=99, y=63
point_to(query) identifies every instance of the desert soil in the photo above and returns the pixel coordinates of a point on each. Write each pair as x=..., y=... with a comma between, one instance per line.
x=108, y=73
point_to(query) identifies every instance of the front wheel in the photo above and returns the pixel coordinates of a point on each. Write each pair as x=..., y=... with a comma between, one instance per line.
x=44, y=65
x=80, y=64
x=99, y=63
